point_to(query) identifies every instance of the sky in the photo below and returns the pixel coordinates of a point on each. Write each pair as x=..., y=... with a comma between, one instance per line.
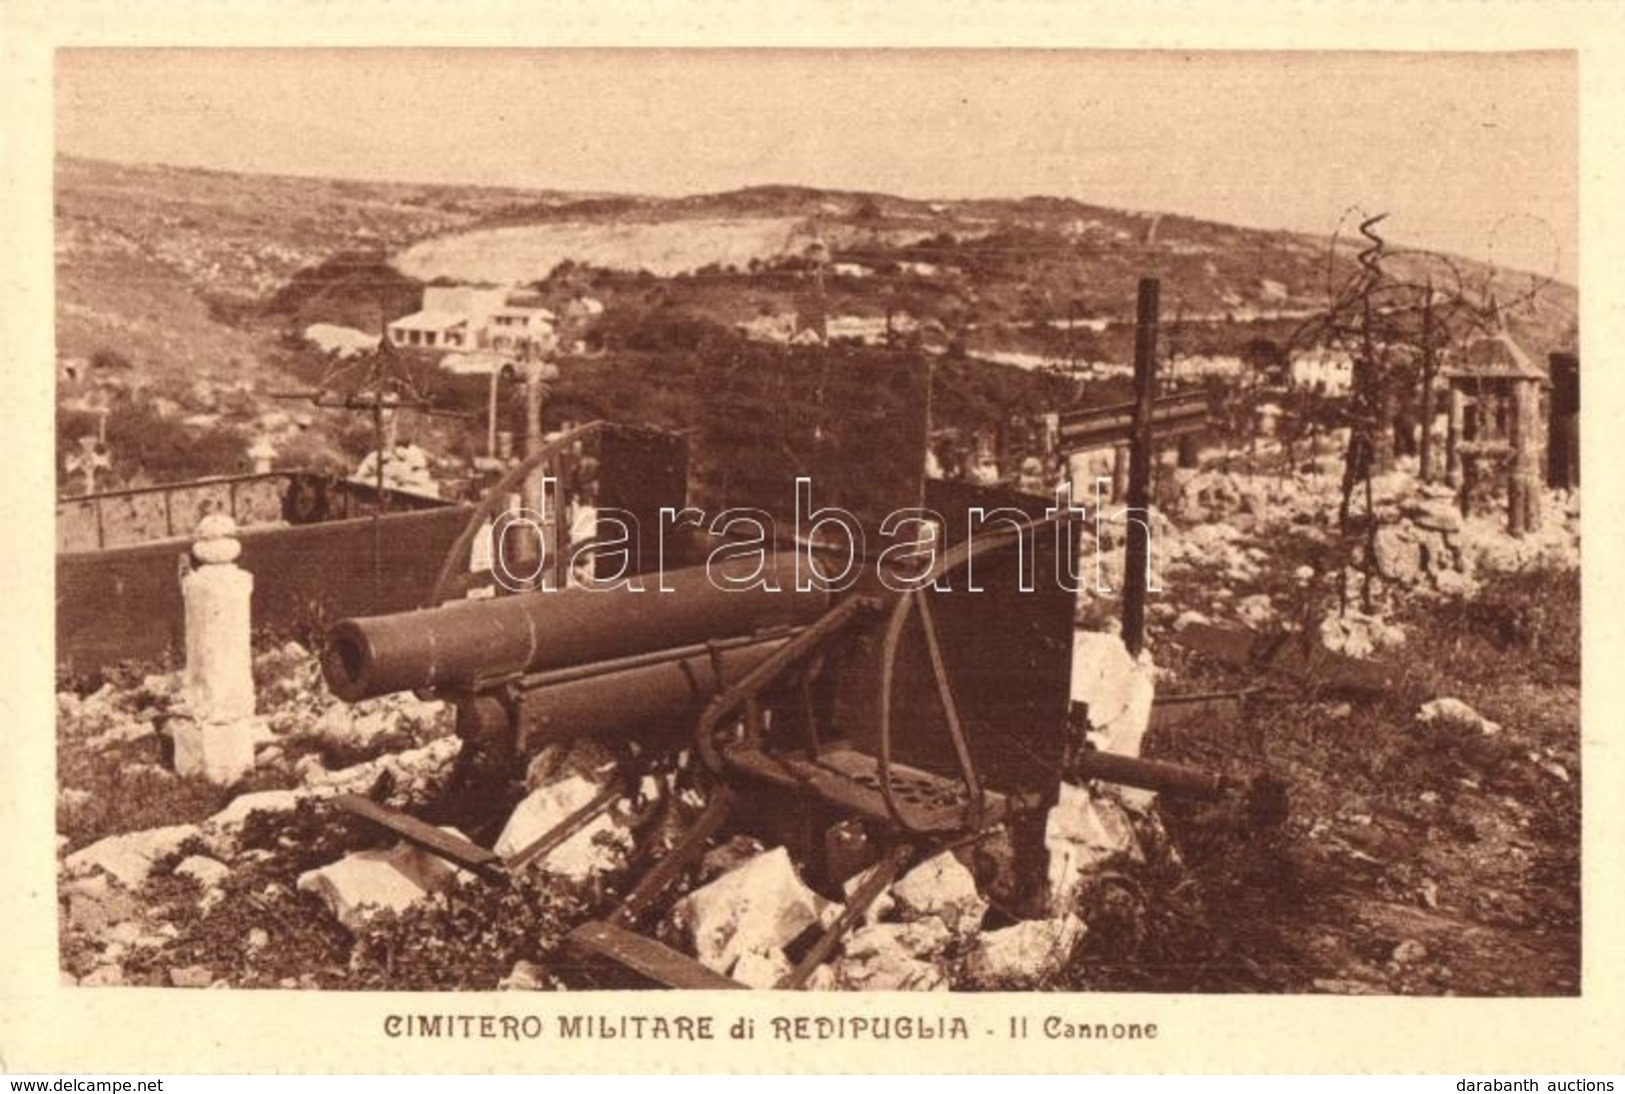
x=1475, y=154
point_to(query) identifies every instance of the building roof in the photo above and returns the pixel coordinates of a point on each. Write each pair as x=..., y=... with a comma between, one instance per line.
x=524, y=312
x=1495, y=357
x=430, y=320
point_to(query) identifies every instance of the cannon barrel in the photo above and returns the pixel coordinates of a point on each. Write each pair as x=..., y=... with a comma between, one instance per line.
x=461, y=644
x=621, y=696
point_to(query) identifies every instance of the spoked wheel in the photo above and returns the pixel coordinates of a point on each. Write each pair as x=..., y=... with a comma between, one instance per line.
x=913, y=676
x=554, y=461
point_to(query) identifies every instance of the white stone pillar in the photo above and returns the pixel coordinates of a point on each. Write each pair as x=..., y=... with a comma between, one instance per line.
x=262, y=452
x=217, y=741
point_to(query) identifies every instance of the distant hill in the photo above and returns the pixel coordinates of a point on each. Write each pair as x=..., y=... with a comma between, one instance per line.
x=192, y=273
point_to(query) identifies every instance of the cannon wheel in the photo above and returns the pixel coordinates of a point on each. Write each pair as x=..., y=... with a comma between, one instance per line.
x=451, y=583
x=914, y=606
x=917, y=605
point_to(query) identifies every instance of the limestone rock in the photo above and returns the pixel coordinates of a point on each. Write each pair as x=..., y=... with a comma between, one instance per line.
x=1448, y=712
x=103, y=976
x=1358, y=634
x=207, y=872
x=95, y=912
x=1434, y=514
x=427, y=761
x=525, y=976
x=1345, y=987
x=414, y=713
x=1396, y=556
x=761, y=968
x=761, y=906
x=130, y=857
x=893, y=957
x=1081, y=832
x=602, y=845
x=1409, y=952
x=191, y=976
x=222, y=830
x=1026, y=952
x=95, y=886
x=357, y=724
x=161, y=683
x=1116, y=688
x=394, y=879
x=311, y=772
x=942, y=887
x=407, y=768
x=1255, y=610
x=358, y=884
x=122, y=733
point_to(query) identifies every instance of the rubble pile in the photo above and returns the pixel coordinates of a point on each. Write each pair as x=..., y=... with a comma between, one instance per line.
x=929, y=928
x=121, y=741
x=932, y=928
x=929, y=931
x=1226, y=522
x=1422, y=539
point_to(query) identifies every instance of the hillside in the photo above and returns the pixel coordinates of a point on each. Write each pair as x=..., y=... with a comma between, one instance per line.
x=200, y=280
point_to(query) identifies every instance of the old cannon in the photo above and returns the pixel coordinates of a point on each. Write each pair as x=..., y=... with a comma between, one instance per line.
x=867, y=680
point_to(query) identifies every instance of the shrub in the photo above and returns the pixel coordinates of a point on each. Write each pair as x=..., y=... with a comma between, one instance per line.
x=143, y=443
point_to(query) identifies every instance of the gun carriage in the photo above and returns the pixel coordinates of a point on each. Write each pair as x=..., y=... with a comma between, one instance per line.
x=919, y=702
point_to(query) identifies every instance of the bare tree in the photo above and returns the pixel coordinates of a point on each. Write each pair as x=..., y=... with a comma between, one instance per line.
x=1399, y=315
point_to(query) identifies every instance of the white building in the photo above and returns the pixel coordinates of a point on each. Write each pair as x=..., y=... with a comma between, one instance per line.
x=462, y=317
x=1202, y=366
x=1331, y=372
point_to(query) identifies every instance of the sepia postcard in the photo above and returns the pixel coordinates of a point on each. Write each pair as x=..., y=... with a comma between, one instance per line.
x=1000, y=538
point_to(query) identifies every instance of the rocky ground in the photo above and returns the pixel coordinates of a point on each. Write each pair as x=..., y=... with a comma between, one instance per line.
x=1432, y=842
x=1429, y=844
